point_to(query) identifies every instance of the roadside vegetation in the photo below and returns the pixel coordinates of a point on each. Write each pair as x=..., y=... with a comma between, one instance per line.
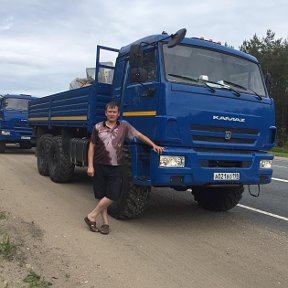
x=7, y=248
x=35, y=280
x=280, y=151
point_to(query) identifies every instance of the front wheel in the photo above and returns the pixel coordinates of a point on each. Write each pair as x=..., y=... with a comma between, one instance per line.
x=134, y=198
x=2, y=147
x=218, y=198
x=25, y=145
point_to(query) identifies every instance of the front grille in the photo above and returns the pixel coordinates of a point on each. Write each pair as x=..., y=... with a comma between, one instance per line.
x=223, y=129
x=223, y=140
x=20, y=125
x=229, y=135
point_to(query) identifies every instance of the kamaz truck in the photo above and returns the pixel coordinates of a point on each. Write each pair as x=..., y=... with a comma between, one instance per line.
x=14, y=127
x=206, y=103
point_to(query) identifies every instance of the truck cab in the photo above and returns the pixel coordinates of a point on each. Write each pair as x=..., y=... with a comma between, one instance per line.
x=14, y=127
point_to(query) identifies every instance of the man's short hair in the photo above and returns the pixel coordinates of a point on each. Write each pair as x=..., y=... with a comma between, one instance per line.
x=111, y=105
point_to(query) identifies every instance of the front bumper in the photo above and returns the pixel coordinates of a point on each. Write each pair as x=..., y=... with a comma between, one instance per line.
x=200, y=167
x=16, y=136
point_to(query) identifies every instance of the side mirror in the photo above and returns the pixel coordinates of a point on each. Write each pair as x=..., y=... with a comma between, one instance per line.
x=136, y=56
x=268, y=82
x=138, y=75
x=177, y=38
x=137, y=72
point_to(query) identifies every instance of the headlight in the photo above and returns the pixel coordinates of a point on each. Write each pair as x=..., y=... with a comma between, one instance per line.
x=266, y=164
x=4, y=132
x=172, y=161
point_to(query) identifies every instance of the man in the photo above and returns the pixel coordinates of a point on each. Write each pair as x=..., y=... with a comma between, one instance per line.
x=104, y=160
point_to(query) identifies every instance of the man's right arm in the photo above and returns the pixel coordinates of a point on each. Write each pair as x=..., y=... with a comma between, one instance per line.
x=90, y=170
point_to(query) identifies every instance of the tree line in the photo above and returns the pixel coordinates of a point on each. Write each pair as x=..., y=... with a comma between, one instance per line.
x=272, y=54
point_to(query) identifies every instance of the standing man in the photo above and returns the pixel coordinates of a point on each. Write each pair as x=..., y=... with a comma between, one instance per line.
x=104, y=160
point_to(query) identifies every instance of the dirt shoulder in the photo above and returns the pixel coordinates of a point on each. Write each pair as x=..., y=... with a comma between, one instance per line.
x=25, y=259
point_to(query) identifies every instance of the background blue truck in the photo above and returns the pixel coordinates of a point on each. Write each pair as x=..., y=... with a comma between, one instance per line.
x=207, y=104
x=14, y=127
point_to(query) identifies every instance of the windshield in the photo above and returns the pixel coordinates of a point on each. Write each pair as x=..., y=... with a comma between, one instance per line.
x=196, y=66
x=16, y=104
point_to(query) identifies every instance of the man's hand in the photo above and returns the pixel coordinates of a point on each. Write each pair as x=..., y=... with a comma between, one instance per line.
x=90, y=171
x=158, y=149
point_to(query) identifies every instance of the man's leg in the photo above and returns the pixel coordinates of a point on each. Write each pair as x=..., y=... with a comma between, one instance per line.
x=104, y=215
x=102, y=205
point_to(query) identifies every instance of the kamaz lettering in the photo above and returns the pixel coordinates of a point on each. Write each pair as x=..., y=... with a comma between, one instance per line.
x=226, y=118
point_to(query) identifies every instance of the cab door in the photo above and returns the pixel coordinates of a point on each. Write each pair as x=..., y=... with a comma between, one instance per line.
x=140, y=100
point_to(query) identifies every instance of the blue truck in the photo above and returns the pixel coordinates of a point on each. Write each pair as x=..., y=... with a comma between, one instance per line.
x=206, y=103
x=14, y=126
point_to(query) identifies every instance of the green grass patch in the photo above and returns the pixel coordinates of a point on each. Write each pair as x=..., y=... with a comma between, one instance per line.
x=3, y=215
x=35, y=280
x=280, y=151
x=8, y=249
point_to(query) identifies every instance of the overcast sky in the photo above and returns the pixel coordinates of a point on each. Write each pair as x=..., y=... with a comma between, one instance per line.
x=45, y=44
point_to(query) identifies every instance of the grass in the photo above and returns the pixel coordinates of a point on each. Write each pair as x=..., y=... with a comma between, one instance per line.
x=280, y=151
x=3, y=215
x=35, y=280
x=7, y=249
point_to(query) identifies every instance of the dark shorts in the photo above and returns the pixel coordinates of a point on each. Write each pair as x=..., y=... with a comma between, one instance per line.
x=107, y=181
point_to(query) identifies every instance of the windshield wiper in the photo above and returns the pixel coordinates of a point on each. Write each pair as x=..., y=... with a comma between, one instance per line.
x=223, y=86
x=193, y=80
x=243, y=88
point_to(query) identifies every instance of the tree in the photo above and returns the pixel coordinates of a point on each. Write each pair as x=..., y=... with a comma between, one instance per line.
x=273, y=56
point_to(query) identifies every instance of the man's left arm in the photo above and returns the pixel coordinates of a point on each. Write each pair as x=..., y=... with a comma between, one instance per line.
x=145, y=139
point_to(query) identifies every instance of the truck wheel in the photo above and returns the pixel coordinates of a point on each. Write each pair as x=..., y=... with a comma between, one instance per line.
x=43, y=146
x=59, y=165
x=2, y=147
x=25, y=145
x=133, y=199
x=218, y=198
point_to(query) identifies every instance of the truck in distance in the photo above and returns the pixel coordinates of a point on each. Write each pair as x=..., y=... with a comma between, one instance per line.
x=14, y=126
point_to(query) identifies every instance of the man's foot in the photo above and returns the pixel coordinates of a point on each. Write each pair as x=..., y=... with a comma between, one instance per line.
x=104, y=229
x=92, y=225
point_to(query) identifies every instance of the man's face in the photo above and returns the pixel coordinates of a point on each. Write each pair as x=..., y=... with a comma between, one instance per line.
x=112, y=114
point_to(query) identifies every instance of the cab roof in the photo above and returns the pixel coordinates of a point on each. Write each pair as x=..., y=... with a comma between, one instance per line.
x=150, y=40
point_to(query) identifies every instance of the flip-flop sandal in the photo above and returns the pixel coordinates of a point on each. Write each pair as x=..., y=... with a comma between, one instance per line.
x=104, y=229
x=92, y=225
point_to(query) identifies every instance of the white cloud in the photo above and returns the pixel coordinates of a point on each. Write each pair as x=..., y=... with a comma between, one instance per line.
x=46, y=44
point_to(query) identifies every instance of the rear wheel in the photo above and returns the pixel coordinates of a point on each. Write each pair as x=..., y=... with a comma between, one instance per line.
x=43, y=147
x=134, y=198
x=59, y=165
x=2, y=147
x=218, y=198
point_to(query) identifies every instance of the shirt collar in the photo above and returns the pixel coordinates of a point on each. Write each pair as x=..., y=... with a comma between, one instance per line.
x=117, y=124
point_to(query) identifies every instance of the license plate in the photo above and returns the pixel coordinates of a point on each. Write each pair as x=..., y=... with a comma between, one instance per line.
x=25, y=137
x=226, y=176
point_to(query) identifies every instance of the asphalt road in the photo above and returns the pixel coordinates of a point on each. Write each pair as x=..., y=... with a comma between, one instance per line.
x=273, y=199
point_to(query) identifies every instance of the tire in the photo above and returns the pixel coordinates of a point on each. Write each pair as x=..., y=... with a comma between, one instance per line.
x=43, y=147
x=25, y=145
x=59, y=165
x=134, y=198
x=218, y=199
x=2, y=147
